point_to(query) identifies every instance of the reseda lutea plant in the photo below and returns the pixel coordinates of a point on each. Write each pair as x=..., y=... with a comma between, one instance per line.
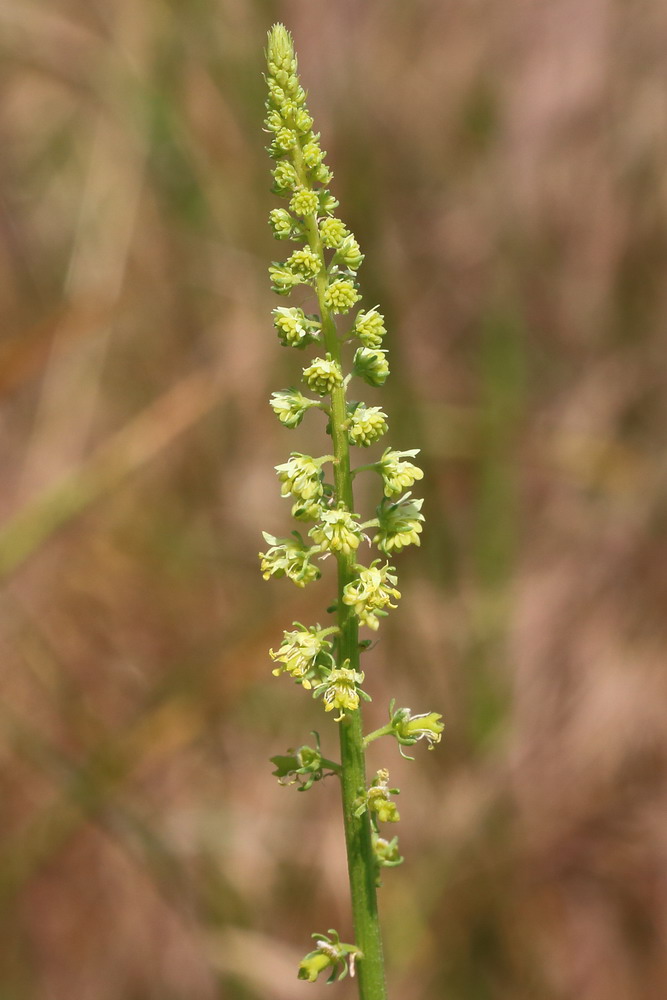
x=325, y=660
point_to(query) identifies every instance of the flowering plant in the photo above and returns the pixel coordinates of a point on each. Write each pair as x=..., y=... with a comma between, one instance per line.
x=325, y=661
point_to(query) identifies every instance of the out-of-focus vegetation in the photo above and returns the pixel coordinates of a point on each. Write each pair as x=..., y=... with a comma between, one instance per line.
x=503, y=169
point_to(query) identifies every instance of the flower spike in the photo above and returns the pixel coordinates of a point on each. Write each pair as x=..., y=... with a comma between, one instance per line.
x=343, y=339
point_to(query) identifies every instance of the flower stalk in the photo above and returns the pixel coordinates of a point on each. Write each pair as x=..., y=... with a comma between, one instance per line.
x=326, y=661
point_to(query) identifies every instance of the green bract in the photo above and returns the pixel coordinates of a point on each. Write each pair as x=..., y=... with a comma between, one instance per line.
x=323, y=268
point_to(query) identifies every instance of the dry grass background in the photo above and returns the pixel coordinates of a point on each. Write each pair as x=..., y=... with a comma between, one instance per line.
x=503, y=169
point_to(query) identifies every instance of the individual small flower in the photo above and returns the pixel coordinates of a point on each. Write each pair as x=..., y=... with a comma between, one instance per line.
x=341, y=295
x=369, y=327
x=304, y=262
x=328, y=204
x=288, y=557
x=301, y=476
x=410, y=729
x=282, y=224
x=323, y=375
x=386, y=852
x=304, y=653
x=290, y=405
x=337, y=531
x=340, y=690
x=349, y=253
x=274, y=121
x=304, y=766
x=285, y=139
x=322, y=174
x=307, y=510
x=302, y=121
x=398, y=475
x=283, y=280
x=285, y=178
x=312, y=154
x=367, y=424
x=304, y=202
x=295, y=329
x=377, y=799
x=370, y=363
x=332, y=232
x=399, y=524
x=330, y=952
x=371, y=593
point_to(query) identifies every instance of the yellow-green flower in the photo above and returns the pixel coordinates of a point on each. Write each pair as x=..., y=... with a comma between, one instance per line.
x=398, y=475
x=323, y=375
x=330, y=952
x=367, y=425
x=303, y=652
x=340, y=690
x=371, y=593
x=304, y=202
x=341, y=295
x=369, y=327
x=379, y=801
x=337, y=531
x=370, y=363
x=332, y=232
x=399, y=524
x=290, y=405
x=288, y=557
x=301, y=476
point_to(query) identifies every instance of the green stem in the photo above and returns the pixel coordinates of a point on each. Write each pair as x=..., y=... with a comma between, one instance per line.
x=330, y=765
x=361, y=862
x=377, y=733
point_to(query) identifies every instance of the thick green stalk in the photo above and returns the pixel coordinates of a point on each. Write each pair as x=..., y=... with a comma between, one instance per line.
x=361, y=862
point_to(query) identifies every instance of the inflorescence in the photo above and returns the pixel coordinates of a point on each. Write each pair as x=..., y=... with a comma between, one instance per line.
x=326, y=262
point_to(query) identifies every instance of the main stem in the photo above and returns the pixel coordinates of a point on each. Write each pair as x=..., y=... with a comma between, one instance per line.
x=361, y=862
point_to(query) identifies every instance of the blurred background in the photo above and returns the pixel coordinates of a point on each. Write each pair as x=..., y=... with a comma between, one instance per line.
x=503, y=167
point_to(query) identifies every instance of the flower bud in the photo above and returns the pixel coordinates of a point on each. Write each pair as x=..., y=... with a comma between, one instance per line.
x=312, y=154
x=371, y=365
x=284, y=177
x=323, y=375
x=304, y=202
x=304, y=262
x=341, y=295
x=349, y=253
x=295, y=329
x=285, y=139
x=332, y=232
x=282, y=224
x=283, y=280
x=290, y=405
x=369, y=327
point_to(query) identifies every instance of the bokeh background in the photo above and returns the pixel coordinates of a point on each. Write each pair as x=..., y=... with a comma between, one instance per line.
x=503, y=166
